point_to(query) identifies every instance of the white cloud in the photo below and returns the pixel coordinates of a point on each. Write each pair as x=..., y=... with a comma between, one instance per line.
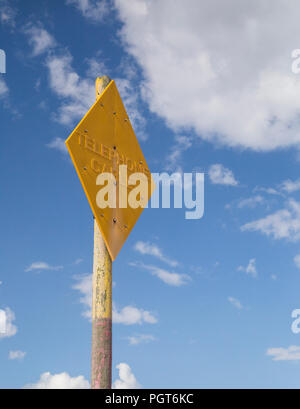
x=59, y=381
x=131, y=315
x=7, y=14
x=236, y=303
x=77, y=95
x=268, y=190
x=94, y=10
x=84, y=286
x=96, y=66
x=130, y=98
x=283, y=224
x=126, y=380
x=128, y=315
x=291, y=353
x=40, y=40
x=140, y=338
x=3, y=88
x=250, y=269
x=19, y=355
x=251, y=202
x=182, y=143
x=7, y=328
x=41, y=265
x=58, y=144
x=297, y=260
x=173, y=279
x=219, y=175
x=290, y=186
x=146, y=248
x=232, y=83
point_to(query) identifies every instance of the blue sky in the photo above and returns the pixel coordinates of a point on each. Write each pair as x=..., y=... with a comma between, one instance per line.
x=203, y=95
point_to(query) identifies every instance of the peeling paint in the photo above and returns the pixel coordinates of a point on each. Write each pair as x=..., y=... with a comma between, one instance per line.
x=101, y=353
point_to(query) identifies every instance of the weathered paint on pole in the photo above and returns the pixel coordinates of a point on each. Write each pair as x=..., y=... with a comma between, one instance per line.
x=102, y=299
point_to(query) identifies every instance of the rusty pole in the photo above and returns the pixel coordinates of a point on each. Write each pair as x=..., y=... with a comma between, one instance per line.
x=102, y=299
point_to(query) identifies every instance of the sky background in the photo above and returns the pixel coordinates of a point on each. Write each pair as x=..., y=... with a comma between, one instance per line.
x=209, y=88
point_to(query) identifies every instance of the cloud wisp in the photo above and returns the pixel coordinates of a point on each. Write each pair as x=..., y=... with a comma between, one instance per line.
x=41, y=265
x=130, y=315
x=140, y=339
x=283, y=224
x=250, y=268
x=235, y=302
x=7, y=14
x=219, y=175
x=126, y=380
x=59, y=381
x=16, y=355
x=291, y=353
x=59, y=145
x=93, y=10
x=39, y=39
x=150, y=249
x=169, y=278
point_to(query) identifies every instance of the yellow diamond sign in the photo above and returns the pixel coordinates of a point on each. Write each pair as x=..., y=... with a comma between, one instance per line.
x=111, y=167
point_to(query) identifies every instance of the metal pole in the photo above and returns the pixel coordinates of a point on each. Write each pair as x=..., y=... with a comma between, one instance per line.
x=102, y=299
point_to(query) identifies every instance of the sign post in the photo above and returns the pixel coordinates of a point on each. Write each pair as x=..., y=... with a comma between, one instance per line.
x=104, y=148
x=101, y=299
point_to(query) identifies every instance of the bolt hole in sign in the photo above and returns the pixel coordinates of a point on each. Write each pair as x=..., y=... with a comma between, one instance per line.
x=111, y=167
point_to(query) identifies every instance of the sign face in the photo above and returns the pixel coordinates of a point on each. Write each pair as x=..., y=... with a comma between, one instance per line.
x=108, y=158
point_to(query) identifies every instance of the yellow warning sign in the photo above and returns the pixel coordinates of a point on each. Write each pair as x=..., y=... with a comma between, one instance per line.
x=111, y=167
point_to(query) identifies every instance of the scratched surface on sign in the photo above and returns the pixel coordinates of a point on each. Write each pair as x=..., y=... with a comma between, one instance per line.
x=102, y=141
